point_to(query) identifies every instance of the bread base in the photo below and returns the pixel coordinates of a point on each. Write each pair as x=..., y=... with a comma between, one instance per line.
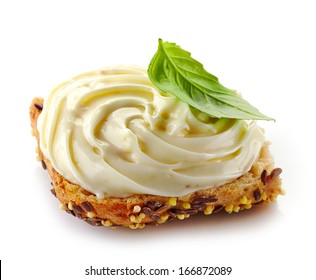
x=260, y=185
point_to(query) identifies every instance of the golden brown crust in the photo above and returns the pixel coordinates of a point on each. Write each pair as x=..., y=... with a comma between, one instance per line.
x=260, y=185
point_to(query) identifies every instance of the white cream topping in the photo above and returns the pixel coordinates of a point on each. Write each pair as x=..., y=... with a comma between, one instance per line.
x=114, y=134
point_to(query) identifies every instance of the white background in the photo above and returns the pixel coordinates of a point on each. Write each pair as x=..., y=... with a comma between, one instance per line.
x=265, y=49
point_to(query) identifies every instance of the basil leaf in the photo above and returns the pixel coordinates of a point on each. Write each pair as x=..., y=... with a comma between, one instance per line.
x=173, y=70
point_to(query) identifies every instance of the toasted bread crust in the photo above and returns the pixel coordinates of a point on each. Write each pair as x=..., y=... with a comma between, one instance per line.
x=260, y=185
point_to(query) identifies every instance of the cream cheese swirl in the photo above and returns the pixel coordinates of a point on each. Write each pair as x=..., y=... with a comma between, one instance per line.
x=113, y=133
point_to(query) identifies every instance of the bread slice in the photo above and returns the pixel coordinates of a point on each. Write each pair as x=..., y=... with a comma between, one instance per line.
x=260, y=185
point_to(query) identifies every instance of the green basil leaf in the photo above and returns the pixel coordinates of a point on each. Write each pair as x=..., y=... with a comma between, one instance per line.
x=173, y=70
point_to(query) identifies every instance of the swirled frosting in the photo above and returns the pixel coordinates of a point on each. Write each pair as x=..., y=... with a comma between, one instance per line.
x=113, y=133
